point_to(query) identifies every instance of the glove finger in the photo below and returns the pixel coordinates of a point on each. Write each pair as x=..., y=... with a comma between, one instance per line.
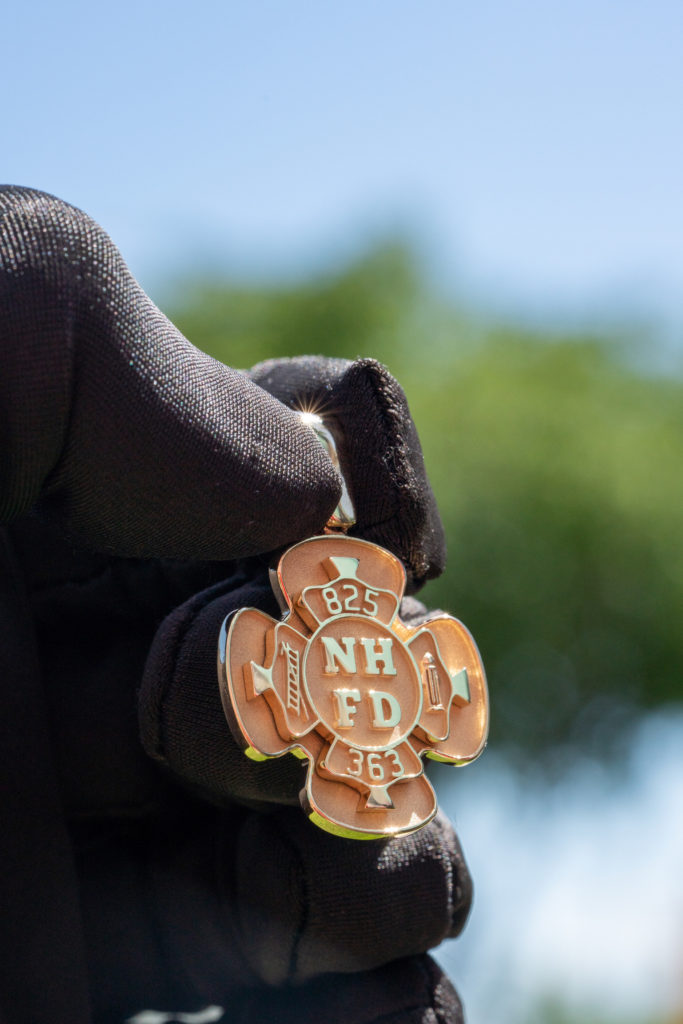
x=137, y=443
x=379, y=451
x=410, y=991
x=309, y=903
x=242, y=900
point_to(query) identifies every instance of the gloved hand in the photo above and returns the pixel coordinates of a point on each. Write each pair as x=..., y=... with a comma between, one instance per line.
x=134, y=472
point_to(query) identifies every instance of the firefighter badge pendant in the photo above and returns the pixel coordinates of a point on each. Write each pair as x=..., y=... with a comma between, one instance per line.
x=341, y=681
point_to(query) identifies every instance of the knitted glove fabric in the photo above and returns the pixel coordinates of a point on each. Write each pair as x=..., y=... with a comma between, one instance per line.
x=135, y=442
x=134, y=472
x=379, y=449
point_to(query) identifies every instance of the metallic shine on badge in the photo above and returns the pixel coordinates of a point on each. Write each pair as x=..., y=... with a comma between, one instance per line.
x=344, y=683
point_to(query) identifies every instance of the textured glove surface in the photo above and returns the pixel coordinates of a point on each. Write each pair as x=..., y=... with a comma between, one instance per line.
x=379, y=450
x=123, y=445
x=136, y=442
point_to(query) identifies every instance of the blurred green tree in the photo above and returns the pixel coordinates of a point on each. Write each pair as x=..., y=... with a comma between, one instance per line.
x=557, y=470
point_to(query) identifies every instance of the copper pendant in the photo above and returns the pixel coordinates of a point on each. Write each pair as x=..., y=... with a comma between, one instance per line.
x=344, y=683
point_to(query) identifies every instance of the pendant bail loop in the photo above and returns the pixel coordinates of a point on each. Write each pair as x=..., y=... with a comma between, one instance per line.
x=344, y=515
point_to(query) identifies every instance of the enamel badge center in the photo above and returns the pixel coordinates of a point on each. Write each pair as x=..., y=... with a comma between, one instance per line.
x=343, y=682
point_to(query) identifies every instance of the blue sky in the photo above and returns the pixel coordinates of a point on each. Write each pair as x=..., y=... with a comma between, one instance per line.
x=534, y=150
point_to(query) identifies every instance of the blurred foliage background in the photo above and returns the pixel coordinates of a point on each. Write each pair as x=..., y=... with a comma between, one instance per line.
x=556, y=464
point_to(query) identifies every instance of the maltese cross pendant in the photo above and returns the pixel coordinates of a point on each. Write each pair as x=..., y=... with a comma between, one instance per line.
x=341, y=681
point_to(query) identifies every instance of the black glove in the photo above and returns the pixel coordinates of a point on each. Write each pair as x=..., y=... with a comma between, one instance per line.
x=127, y=883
